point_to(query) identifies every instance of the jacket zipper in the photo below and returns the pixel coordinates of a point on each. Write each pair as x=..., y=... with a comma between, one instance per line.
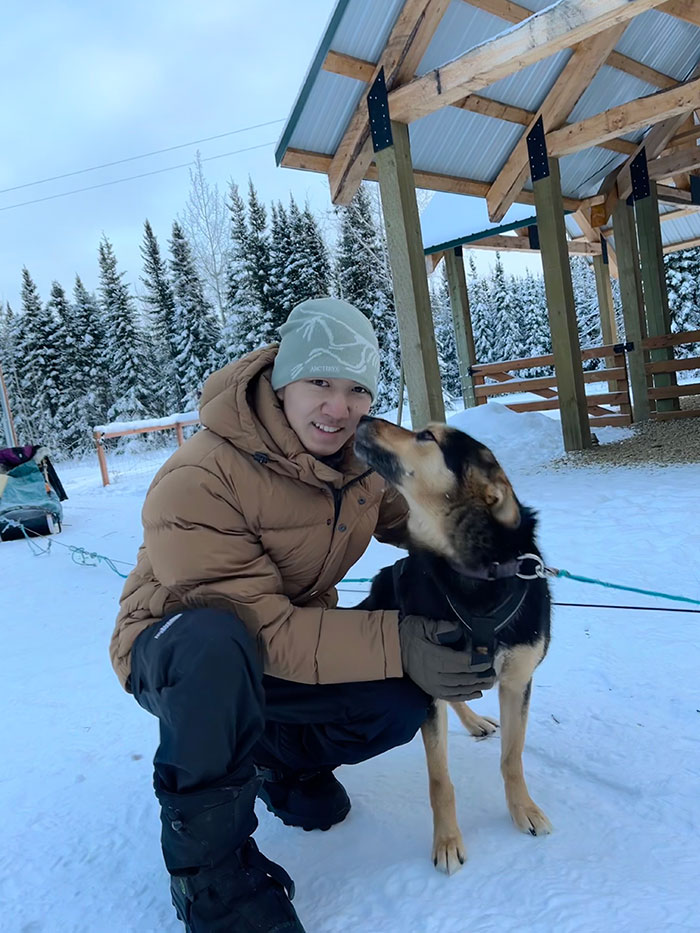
x=338, y=494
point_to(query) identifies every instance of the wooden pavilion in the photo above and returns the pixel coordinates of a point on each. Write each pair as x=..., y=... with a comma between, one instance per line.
x=583, y=108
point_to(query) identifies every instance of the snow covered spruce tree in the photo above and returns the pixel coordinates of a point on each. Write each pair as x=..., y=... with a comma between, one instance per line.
x=237, y=332
x=87, y=333
x=38, y=345
x=587, y=310
x=253, y=312
x=65, y=383
x=364, y=279
x=683, y=281
x=9, y=359
x=258, y=266
x=531, y=302
x=195, y=334
x=309, y=273
x=480, y=306
x=445, y=333
x=159, y=301
x=127, y=348
x=507, y=337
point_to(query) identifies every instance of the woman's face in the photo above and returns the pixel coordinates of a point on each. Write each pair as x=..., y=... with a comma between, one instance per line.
x=324, y=413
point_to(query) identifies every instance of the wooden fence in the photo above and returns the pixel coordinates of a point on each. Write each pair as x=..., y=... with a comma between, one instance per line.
x=614, y=373
x=671, y=367
x=100, y=436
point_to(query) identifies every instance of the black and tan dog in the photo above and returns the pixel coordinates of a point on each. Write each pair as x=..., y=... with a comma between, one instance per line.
x=472, y=559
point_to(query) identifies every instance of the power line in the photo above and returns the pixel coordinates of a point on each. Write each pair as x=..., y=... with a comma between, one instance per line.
x=118, y=181
x=144, y=155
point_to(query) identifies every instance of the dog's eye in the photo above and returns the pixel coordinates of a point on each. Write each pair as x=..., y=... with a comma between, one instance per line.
x=425, y=436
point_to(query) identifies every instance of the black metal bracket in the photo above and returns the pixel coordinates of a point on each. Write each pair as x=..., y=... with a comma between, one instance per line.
x=604, y=251
x=640, y=177
x=533, y=235
x=623, y=347
x=537, y=152
x=458, y=252
x=379, y=121
x=695, y=189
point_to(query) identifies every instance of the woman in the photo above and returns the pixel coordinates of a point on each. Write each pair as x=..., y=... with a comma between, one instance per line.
x=228, y=630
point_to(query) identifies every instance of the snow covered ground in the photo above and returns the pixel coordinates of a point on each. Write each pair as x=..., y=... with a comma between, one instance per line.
x=612, y=756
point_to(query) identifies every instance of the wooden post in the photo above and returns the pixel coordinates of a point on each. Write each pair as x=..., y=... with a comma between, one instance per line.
x=462, y=320
x=410, y=282
x=546, y=185
x=651, y=257
x=101, y=458
x=180, y=435
x=606, y=306
x=632, y=306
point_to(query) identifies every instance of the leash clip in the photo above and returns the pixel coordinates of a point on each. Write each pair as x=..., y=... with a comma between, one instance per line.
x=540, y=571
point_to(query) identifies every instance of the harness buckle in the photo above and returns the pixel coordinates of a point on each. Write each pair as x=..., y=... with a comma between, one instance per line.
x=540, y=571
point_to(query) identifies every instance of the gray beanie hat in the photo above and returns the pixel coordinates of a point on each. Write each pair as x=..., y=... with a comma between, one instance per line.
x=327, y=338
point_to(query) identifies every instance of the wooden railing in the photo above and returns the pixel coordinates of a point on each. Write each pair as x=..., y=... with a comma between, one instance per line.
x=668, y=367
x=100, y=436
x=504, y=383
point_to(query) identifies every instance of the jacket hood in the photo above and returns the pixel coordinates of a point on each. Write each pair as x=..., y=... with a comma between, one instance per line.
x=239, y=404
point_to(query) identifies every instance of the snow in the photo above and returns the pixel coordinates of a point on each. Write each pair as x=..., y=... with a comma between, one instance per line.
x=169, y=421
x=612, y=754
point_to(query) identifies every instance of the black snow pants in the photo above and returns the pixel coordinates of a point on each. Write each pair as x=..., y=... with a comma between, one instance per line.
x=198, y=672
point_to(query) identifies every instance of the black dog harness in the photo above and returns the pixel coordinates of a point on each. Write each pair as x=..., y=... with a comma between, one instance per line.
x=483, y=629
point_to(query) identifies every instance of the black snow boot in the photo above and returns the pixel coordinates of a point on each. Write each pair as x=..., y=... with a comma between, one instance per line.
x=309, y=799
x=220, y=881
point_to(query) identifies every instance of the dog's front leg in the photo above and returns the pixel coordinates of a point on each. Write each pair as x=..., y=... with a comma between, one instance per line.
x=514, y=689
x=448, y=848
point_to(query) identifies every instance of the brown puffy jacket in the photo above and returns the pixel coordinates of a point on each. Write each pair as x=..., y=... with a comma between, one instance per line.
x=243, y=518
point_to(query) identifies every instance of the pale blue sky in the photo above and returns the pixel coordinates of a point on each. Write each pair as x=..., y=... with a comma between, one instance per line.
x=89, y=83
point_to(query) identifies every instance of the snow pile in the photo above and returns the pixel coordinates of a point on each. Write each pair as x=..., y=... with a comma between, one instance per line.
x=519, y=440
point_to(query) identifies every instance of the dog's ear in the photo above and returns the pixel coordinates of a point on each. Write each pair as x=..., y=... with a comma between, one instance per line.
x=501, y=500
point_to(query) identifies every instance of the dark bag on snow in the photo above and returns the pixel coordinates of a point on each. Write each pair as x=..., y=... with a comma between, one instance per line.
x=30, y=493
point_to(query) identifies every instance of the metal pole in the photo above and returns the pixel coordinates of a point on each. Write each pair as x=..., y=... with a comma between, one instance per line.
x=7, y=421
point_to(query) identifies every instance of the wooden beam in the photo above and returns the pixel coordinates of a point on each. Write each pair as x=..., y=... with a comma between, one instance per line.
x=410, y=37
x=514, y=13
x=350, y=67
x=680, y=213
x=573, y=80
x=686, y=244
x=362, y=70
x=430, y=181
x=682, y=138
x=687, y=10
x=672, y=195
x=684, y=160
x=592, y=235
x=632, y=306
x=625, y=118
x=658, y=316
x=557, y=27
x=617, y=184
x=606, y=309
x=506, y=244
x=462, y=322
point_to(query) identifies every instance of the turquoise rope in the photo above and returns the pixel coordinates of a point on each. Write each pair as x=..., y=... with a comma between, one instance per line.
x=573, y=576
x=629, y=589
x=78, y=554
x=91, y=559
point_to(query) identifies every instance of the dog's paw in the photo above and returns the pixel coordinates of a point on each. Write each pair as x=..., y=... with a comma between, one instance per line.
x=449, y=853
x=483, y=726
x=530, y=819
